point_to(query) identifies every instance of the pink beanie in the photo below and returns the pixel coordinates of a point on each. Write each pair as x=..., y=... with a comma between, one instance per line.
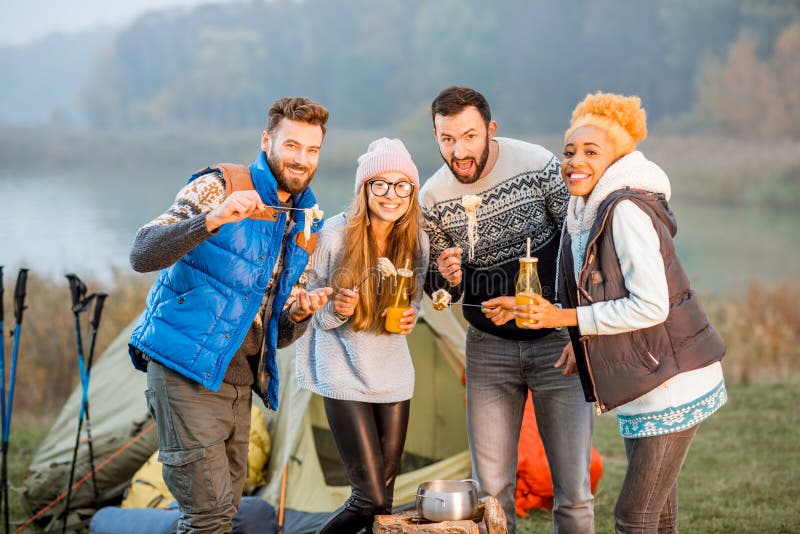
x=385, y=155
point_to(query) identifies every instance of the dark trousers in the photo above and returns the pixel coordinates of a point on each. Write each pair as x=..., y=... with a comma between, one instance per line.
x=370, y=439
x=648, y=502
x=202, y=441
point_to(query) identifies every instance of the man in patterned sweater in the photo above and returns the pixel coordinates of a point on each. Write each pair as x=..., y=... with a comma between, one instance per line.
x=231, y=250
x=522, y=196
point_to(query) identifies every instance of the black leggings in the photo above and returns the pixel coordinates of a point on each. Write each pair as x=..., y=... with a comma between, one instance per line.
x=370, y=439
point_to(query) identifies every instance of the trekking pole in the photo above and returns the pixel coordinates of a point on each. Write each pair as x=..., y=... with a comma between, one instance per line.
x=79, y=304
x=2, y=355
x=100, y=299
x=19, y=308
x=3, y=481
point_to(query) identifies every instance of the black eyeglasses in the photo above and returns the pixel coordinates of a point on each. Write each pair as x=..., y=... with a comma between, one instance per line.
x=380, y=188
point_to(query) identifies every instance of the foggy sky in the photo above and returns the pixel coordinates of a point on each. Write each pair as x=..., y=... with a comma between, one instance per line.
x=22, y=21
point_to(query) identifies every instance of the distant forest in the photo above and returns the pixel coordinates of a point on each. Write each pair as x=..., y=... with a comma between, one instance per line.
x=715, y=65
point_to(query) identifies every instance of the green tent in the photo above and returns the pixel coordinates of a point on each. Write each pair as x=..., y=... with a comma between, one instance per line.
x=124, y=436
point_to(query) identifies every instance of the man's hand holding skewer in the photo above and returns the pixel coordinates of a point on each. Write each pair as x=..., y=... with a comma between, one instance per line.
x=499, y=310
x=237, y=206
x=308, y=302
x=449, y=265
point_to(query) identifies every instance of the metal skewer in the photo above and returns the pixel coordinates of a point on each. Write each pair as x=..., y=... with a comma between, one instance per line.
x=470, y=306
x=284, y=208
x=361, y=283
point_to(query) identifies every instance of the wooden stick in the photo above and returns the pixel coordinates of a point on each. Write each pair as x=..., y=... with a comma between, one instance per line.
x=283, y=497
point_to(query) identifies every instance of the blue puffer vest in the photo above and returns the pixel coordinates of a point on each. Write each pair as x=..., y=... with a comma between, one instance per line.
x=200, y=309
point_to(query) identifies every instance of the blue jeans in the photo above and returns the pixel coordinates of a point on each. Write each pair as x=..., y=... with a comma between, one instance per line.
x=648, y=501
x=499, y=374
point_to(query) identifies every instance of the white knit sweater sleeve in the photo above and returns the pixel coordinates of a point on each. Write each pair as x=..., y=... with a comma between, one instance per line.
x=322, y=264
x=421, y=260
x=638, y=249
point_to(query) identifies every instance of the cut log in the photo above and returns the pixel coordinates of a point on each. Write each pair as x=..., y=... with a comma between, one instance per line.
x=493, y=516
x=410, y=523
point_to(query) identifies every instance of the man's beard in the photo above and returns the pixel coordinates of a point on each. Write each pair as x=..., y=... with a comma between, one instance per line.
x=286, y=182
x=479, y=166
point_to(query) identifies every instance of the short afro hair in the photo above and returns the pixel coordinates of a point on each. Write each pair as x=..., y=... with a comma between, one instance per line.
x=622, y=117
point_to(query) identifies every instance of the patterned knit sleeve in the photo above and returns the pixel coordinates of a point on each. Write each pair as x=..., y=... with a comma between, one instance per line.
x=167, y=238
x=439, y=241
x=555, y=191
x=322, y=265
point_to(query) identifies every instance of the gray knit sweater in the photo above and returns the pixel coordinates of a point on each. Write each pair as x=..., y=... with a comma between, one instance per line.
x=336, y=362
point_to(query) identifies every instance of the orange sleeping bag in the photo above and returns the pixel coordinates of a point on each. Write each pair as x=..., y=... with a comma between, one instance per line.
x=534, y=486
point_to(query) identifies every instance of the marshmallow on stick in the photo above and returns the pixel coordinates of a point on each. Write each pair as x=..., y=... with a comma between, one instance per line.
x=441, y=299
x=386, y=267
x=471, y=203
x=311, y=214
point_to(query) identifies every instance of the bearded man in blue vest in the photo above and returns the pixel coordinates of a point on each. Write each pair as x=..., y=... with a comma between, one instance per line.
x=232, y=250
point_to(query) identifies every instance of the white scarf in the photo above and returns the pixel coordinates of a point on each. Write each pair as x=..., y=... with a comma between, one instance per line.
x=632, y=170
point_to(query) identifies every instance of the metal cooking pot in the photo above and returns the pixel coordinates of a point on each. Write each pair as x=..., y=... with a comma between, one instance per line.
x=448, y=500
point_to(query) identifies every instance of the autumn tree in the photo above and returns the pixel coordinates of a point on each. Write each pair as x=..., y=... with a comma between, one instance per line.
x=750, y=96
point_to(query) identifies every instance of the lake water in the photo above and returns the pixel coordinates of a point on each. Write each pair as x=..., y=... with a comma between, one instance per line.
x=84, y=222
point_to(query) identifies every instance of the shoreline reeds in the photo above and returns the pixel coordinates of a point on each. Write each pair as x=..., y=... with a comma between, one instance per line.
x=761, y=329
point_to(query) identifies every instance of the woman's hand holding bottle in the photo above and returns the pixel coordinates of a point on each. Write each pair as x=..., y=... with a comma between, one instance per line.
x=406, y=322
x=544, y=314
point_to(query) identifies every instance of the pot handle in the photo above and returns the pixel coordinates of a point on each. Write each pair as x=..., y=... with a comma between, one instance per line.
x=475, y=482
x=421, y=496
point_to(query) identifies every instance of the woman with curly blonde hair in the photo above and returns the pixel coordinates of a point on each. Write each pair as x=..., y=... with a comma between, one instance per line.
x=641, y=342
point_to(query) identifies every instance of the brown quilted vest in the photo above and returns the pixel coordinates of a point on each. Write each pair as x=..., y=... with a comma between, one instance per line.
x=616, y=369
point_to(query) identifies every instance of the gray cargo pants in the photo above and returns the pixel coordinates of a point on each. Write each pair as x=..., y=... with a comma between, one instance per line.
x=202, y=440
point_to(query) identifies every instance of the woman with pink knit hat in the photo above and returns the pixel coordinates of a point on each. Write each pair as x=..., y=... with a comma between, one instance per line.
x=364, y=372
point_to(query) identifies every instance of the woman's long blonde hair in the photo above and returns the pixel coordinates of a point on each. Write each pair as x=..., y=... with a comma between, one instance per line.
x=360, y=256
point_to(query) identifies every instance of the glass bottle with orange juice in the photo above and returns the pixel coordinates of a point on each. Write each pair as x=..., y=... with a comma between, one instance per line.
x=400, y=299
x=527, y=282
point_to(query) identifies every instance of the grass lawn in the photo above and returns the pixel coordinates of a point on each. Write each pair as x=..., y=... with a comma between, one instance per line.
x=741, y=475
x=24, y=438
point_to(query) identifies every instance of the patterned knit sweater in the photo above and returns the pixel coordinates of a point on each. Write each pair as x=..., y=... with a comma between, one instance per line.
x=522, y=197
x=338, y=363
x=167, y=238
